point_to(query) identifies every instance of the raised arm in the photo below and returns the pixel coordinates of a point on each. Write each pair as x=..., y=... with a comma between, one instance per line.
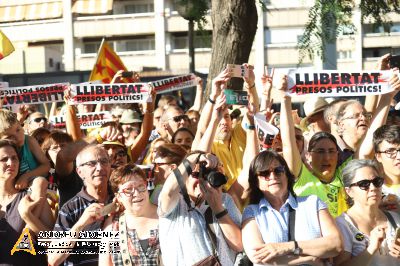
x=205, y=116
x=290, y=151
x=140, y=142
x=250, y=86
x=169, y=195
x=207, y=139
x=379, y=116
x=266, y=81
x=199, y=95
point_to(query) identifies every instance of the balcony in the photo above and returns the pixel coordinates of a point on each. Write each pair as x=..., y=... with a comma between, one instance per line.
x=114, y=25
x=42, y=30
x=132, y=60
x=175, y=23
x=372, y=40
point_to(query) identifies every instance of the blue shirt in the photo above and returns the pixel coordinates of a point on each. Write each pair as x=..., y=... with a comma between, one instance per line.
x=274, y=225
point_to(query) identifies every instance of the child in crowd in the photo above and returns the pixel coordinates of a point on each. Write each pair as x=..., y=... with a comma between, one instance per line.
x=34, y=165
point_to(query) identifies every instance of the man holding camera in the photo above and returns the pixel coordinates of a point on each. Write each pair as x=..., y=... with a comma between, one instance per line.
x=201, y=220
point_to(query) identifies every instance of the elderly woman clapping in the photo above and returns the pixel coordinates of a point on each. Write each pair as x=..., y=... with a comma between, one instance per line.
x=280, y=228
x=368, y=232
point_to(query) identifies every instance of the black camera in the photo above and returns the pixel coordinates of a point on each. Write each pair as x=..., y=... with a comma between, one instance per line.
x=212, y=176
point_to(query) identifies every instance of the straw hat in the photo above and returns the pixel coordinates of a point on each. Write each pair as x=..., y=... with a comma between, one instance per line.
x=130, y=116
x=311, y=107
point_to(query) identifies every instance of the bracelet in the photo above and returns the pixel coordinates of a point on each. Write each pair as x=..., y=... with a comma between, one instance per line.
x=99, y=139
x=221, y=214
x=250, y=127
x=211, y=101
x=252, y=86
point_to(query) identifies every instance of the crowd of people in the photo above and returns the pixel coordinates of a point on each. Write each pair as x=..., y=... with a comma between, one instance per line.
x=197, y=186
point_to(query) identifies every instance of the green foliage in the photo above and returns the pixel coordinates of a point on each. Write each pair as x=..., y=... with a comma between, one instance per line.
x=195, y=10
x=330, y=18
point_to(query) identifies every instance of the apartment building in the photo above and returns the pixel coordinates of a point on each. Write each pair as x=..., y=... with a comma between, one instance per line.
x=149, y=35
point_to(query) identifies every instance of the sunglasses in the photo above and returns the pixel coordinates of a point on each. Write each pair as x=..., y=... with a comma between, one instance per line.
x=39, y=119
x=277, y=171
x=178, y=118
x=366, y=183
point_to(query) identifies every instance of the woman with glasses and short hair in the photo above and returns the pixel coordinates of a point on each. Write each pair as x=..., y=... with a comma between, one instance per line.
x=368, y=232
x=280, y=228
x=137, y=224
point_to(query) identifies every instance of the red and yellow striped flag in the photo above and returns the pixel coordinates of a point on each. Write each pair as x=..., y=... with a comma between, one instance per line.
x=6, y=46
x=107, y=64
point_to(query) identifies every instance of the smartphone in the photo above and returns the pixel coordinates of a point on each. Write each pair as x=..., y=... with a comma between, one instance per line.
x=109, y=208
x=397, y=235
x=127, y=74
x=394, y=61
x=236, y=97
x=238, y=71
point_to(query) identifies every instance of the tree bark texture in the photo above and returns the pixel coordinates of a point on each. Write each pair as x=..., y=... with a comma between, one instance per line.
x=234, y=28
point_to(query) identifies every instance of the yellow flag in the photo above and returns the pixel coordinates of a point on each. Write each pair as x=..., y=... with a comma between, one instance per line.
x=107, y=64
x=6, y=46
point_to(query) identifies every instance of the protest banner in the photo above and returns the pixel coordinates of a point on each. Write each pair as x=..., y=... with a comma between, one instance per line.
x=36, y=94
x=329, y=83
x=265, y=131
x=88, y=120
x=85, y=93
x=174, y=83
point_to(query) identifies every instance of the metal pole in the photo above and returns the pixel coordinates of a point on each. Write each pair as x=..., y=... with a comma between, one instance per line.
x=191, y=47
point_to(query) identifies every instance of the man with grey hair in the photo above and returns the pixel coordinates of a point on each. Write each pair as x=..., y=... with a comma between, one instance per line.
x=36, y=120
x=83, y=212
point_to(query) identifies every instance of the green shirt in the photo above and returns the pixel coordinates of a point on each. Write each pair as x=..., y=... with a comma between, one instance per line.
x=332, y=193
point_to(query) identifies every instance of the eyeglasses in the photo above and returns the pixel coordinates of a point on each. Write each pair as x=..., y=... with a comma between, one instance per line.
x=93, y=163
x=366, y=183
x=390, y=153
x=279, y=170
x=121, y=154
x=130, y=192
x=367, y=116
x=322, y=152
x=178, y=118
x=39, y=119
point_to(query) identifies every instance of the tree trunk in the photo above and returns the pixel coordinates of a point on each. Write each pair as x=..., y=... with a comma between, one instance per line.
x=234, y=28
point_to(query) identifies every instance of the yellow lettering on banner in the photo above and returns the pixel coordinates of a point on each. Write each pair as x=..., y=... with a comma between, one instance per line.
x=24, y=243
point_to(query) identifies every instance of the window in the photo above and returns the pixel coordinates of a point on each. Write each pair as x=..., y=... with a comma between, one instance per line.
x=144, y=44
x=89, y=48
x=283, y=35
x=180, y=41
x=348, y=54
x=139, y=8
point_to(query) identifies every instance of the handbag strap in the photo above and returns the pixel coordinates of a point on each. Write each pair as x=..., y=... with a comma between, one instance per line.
x=391, y=219
x=292, y=221
x=123, y=232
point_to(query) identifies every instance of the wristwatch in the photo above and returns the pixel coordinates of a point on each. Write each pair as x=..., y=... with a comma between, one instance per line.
x=297, y=249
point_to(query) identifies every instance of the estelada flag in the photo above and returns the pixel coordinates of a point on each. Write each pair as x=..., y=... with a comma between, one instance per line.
x=107, y=65
x=6, y=46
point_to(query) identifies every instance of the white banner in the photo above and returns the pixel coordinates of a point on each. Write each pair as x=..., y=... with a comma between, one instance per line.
x=88, y=120
x=329, y=83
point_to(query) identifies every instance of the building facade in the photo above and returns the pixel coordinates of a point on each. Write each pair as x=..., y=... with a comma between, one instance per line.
x=64, y=35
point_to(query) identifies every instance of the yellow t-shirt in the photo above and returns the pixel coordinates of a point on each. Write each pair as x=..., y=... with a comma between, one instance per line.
x=332, y=194
x=231, y=155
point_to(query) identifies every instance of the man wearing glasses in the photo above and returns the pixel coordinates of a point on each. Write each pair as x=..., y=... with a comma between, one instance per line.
x=36, y=120
x=387, y=153
x=172, y=119
x=84, y=211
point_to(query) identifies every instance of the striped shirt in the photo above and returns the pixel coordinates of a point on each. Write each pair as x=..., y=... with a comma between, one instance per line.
x=68, y=215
